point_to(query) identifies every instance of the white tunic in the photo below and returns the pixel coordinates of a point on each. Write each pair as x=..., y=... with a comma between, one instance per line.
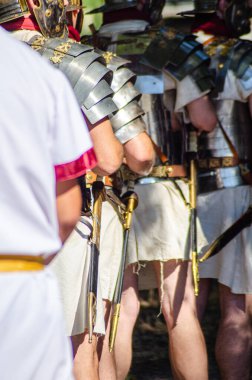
x=161, y=228
x=38, y=132
x=42, y=132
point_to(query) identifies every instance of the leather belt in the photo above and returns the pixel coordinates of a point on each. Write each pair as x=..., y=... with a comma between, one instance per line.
x=161, y=171
x=16, y=263
x=218, y=162
x=169, y=171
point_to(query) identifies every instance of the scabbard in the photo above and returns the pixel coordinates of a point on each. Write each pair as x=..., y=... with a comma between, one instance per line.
x=131, y=201
x=218, y=244
x=193, y=225
x=98, y=197
x=119, y=285
x=93, y=269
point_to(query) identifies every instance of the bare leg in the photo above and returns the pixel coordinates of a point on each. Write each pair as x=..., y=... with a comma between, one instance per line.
x=128, y=315
x=249, y=311
x=107, y=369
x=85, y=358
x=202, y=299
x=233, y=339
x=186, y=342
x=249, y=306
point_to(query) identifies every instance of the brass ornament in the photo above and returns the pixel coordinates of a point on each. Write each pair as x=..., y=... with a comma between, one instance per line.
x=38, y=43
x=108, y=56
x=48, y=13
x=59, y=52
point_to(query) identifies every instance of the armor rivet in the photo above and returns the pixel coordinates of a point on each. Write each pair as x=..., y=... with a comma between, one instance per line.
x=48, y=13
x=169, y=170
x=221, y=65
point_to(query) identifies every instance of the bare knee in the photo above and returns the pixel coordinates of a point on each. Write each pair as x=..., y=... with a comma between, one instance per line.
x=233, y=306
x=182, y=310
x=202, y=299
x=130, y=305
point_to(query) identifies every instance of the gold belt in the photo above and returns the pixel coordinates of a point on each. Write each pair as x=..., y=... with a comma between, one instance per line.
x=20, y=263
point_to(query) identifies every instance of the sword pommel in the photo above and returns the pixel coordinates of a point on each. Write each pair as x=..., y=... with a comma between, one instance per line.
x=130, y=198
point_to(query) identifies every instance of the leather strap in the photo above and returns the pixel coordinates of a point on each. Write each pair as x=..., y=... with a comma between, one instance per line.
x=169, y=171
x=161, y=171
x=114, y=181
x=218, y=162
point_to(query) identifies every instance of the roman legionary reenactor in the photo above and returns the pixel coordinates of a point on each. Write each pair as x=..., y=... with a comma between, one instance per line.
x=160, y=244
x=224, y=176
x=86, y=71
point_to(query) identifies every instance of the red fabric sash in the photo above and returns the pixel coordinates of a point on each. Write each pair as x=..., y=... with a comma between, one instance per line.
x=23, y=23
x=73, y=33
x=213, y=25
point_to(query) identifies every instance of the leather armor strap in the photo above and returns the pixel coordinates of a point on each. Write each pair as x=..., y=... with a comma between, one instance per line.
x=117, y=204
x=109, y=181
x=114, y=182
x=218, y=162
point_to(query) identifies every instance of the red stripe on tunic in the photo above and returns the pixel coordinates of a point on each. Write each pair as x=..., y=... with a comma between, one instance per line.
x=77, y=167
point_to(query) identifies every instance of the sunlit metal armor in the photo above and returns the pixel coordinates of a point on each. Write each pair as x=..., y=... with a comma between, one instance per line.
x=86, y=71
x=233, y=115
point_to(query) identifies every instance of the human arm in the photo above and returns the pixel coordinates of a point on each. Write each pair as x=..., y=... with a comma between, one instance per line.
x=68, y=203
x=108, y=149
x=250, y=104
x=127, y=122
x=139, y=154
x=202, y=114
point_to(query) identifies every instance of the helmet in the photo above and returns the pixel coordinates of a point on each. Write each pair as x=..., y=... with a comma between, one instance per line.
x=114, y=5
x=202, y=6
x=50, y=15
x=74, y=5
x=237, y=17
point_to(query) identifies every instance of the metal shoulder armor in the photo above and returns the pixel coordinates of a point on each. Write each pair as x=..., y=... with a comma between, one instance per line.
x=127, y=122
x=180, y=55
x=241, y=58
x=87, y=72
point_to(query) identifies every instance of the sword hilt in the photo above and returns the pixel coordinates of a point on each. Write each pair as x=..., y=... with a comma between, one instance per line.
x=130, y=198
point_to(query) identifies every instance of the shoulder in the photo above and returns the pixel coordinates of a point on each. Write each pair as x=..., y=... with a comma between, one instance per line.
x=31, y=66
x=241, y=57
x=180, y=55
